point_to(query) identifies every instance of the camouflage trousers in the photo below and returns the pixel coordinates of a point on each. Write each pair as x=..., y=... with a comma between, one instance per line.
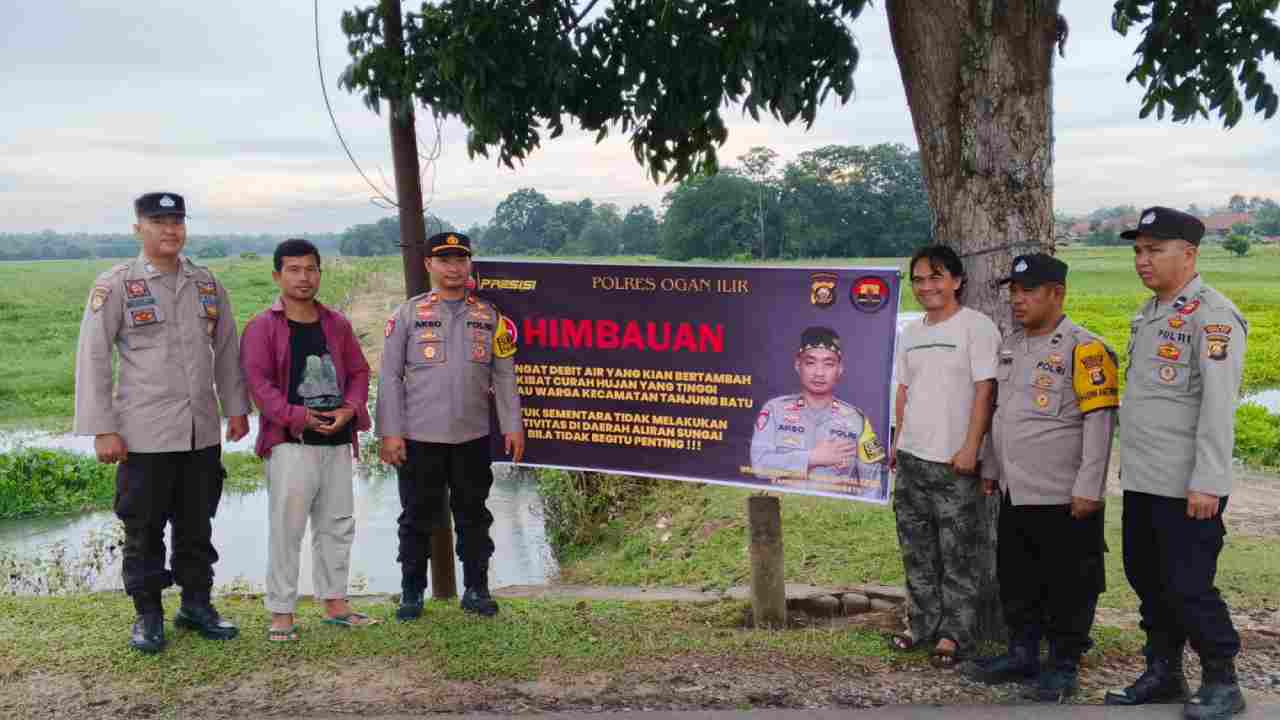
x=939, y=518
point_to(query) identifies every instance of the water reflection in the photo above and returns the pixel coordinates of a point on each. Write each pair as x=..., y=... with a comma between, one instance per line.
x=240, y=535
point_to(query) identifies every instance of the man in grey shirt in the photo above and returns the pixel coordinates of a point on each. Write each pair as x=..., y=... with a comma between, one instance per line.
x=1186, y=358
x=445, y=352
x=1048, y=456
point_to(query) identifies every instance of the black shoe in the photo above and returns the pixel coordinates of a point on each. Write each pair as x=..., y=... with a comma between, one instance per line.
x=1020, y=664
x=205, y=620
x=411, y=592
x=1162, y=682
x=1219, y=696
x=148, y=633
x=478, y=601
x=1058, y=682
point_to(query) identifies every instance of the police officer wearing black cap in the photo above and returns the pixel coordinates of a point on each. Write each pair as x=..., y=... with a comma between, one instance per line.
x=1186, y=359
x=170, y=321
x=1048, y=451
x=446, y=353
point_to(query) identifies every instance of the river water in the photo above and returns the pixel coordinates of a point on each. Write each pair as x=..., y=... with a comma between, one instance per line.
x=240, y=529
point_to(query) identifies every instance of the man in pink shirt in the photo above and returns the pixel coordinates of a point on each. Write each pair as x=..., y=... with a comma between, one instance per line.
x=310, y=381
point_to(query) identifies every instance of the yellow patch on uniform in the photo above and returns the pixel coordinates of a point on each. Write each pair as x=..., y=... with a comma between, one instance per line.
x=504, y=340
x=869, y=448
x=99, y=297
x=1042, y=401
x=429, y=352
x=1176, y=322
x=1095, y=377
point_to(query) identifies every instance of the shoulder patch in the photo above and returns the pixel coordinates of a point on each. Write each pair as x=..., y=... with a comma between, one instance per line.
x=504, y=340
x=99, y=296
x=1095, y=377
x=391, y=325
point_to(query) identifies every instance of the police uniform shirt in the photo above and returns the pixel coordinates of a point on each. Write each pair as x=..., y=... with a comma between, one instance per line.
x=787, y=430
x=179, y=358
x=1177, y=421
x=439, y=363
x=1051, y=432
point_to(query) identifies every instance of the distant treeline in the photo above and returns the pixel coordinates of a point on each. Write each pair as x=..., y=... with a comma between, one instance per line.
x=49, y=245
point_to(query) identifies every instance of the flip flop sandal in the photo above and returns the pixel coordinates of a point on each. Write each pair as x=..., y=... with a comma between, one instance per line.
x=351, y=619
x=283, y=635
x=901, y=642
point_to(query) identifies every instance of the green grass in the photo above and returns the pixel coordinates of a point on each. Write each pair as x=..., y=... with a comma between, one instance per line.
x=41, y=482
x=525, y=638
x=40, y=309
x=827, y=542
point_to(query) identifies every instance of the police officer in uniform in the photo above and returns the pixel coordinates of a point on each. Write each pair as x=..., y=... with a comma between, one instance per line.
x=446, y=352
x=170, y=322
x=1186, y=358
x=1048, y=451
x=812, y=434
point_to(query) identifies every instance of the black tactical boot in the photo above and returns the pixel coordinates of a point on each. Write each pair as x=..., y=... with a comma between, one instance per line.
x=1020, y=664
x=1059, y=681
x=1162, y=682
x=411, y=593
x=148, y=633
x=1219, y=696
x=198, y=614
x=476, y=599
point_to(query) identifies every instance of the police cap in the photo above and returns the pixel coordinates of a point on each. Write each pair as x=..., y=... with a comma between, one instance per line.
x=1032, y=271
x=160, y=203
x=448, y=243
x=1167, y=224
x=819, y=338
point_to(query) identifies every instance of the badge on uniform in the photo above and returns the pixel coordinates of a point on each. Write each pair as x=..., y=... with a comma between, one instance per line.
x=1042, y=401
x=1043, y=381
x=1169, y=351
x=1176, y=322
x=391, y=326
x=210, y=304
x=211, y=326
x=790, y=419
x=143, y=317
x=1216, y=346
x=504, y=341
x=99, y=297
x=429, y=352
x=207, y=288
x=1167, y=373
x=762, y=420
x=1189, y=308
x=426, y=336
x=425, y=312
x=478, y=351
x=136, y=288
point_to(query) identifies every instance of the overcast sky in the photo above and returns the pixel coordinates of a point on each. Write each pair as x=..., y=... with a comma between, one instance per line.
x=221, y=101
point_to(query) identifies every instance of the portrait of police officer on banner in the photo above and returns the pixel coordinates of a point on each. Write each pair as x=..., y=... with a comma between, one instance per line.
x=813, y=435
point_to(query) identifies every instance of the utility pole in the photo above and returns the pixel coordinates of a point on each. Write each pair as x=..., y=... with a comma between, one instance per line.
x=404, y=155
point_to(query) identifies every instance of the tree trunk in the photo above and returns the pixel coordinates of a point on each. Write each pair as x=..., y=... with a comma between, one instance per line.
x=978, y=80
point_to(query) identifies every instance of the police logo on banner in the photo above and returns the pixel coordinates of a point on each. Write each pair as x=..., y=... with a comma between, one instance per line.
x=869, y=294
x=822, y=289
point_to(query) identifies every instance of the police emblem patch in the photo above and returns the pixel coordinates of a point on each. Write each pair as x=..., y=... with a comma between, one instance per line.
x=822, y=289
x=1217, y=329
x=99, y=297
x=504, y=340
x=1167, y=373
x=869, y=294
x=1176, y=322
x=762, y=420
x=1169, y=351
x=136, y=288
x=1216, y=346
x=429, y=335
x=1043, y=381
x=478, y=352
x=143, y=317
x=1042, y=401
x=429, y=352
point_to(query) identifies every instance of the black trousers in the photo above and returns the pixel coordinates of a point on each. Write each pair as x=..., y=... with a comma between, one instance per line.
x=466, y=471
x=1171, y=560
x=1051, y=570
x=178, y=488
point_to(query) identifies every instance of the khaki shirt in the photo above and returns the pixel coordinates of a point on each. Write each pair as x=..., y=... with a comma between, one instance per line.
x=1177, y=422
x=179, y=359
x=787, y=430
x=439, y=366
x=1050, y=436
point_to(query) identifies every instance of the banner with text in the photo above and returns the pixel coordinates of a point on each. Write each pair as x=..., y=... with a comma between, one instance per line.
x=770, y=378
